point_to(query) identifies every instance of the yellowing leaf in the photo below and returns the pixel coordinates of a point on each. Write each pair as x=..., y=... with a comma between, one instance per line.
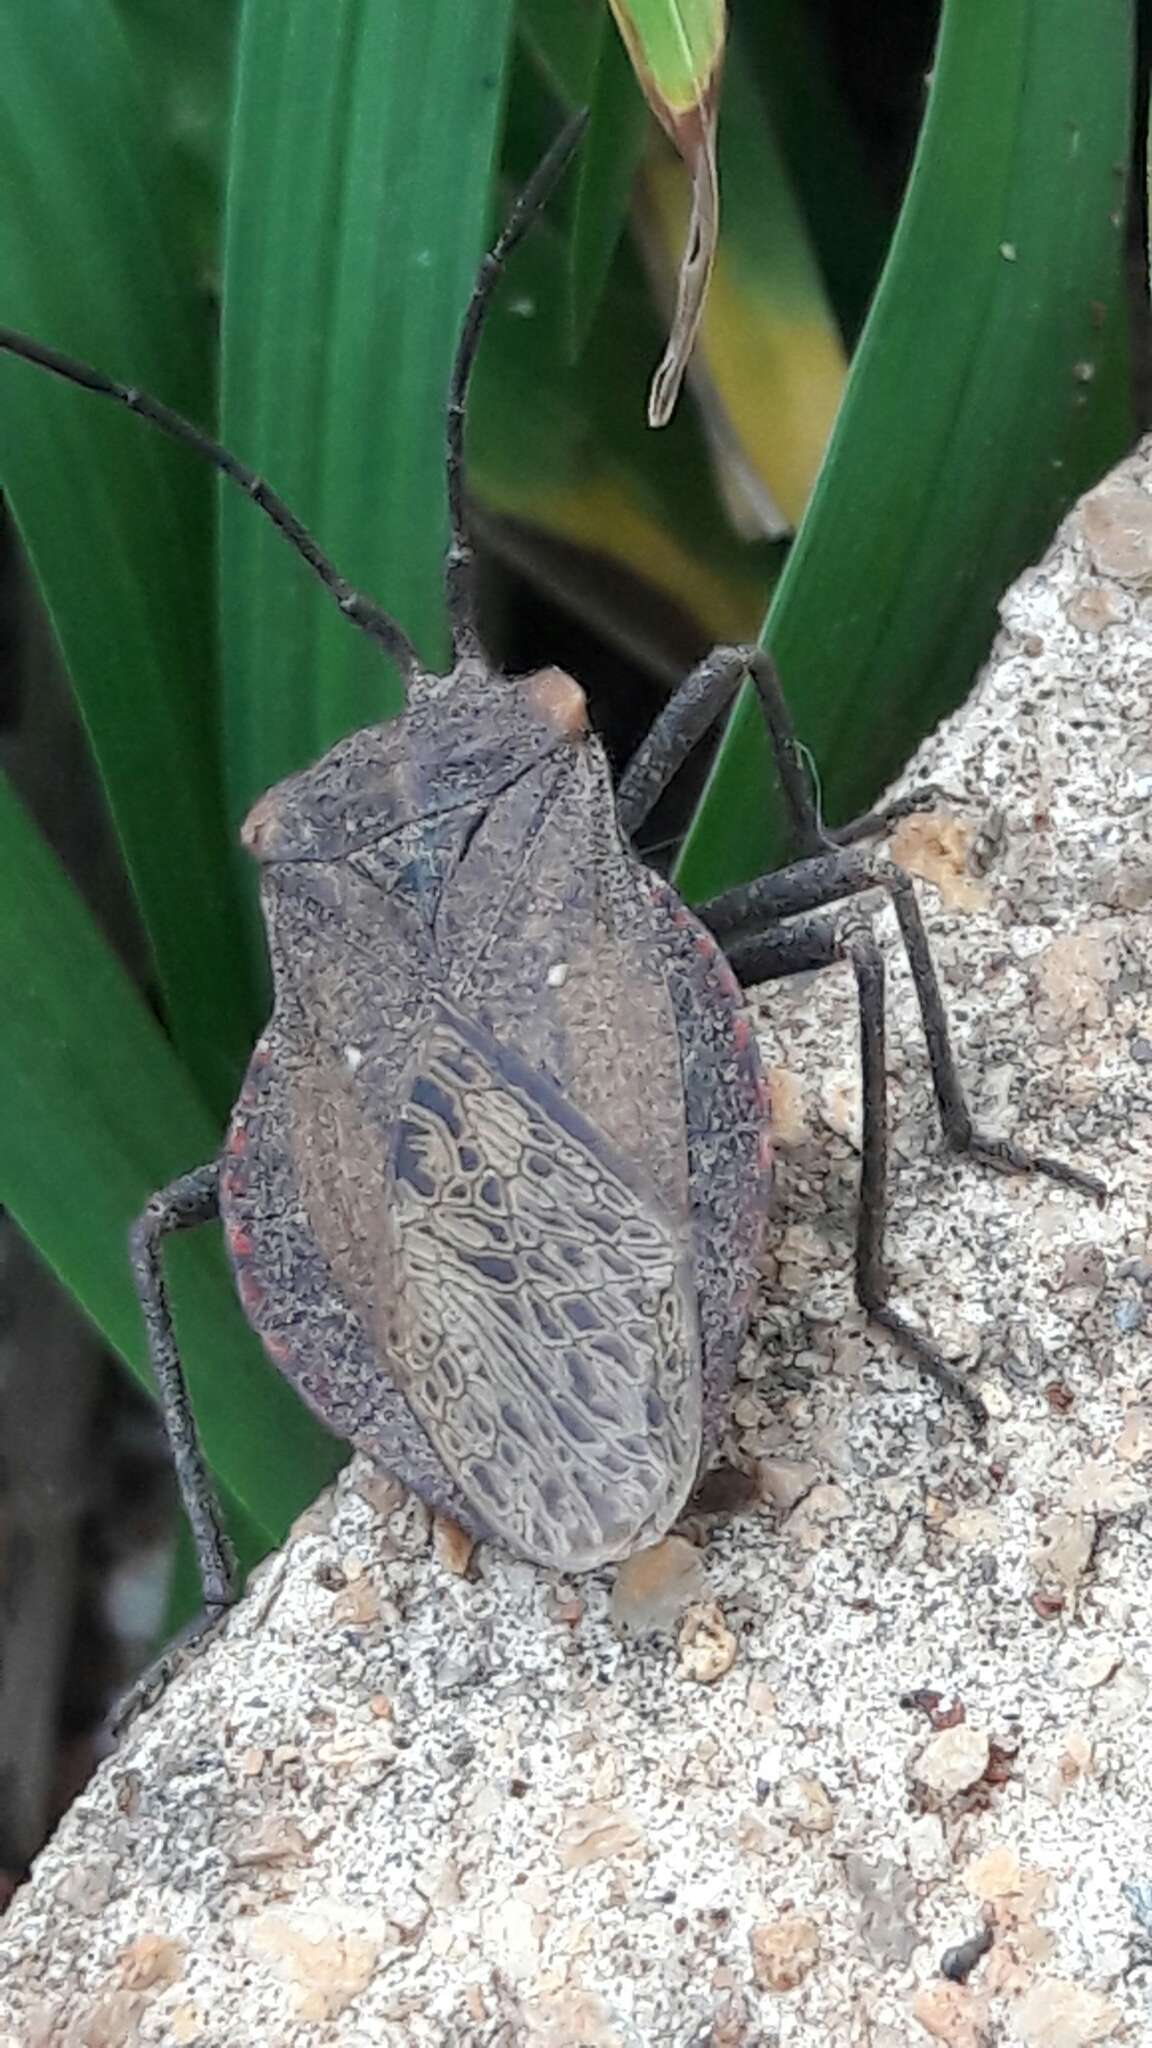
x=601, y=511
x=769, y=365
x=677, y=50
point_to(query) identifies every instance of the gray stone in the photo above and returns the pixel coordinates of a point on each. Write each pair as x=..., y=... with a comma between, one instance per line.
x=427, y=1783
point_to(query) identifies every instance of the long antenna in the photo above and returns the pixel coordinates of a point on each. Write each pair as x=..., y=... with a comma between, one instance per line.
x=459, y=567
x=361, y=610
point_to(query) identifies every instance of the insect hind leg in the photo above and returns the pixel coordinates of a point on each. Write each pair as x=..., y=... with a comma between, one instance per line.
x=820, y=942
x=746, y=922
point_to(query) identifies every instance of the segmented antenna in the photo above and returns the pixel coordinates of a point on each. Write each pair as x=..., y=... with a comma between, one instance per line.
x=460, y=563
x=361, y=610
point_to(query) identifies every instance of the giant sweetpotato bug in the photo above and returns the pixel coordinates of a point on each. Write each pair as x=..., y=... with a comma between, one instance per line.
x=495, y=1186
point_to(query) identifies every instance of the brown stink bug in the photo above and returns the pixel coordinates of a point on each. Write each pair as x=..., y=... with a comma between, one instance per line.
x=495, y=1186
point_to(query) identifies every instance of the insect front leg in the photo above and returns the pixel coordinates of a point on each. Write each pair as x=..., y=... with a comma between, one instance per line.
x=186, y=1202
x=689, y=714
x=693, y=709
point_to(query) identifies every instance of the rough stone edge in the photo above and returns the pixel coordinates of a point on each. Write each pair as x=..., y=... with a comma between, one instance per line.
x=119, y=1938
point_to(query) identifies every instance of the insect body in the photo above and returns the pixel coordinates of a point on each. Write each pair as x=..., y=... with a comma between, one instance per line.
x=494, y=1184
x=496, y=1181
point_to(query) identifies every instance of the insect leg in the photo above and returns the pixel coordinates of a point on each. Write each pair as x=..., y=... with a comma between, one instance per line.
x=872, y=1282
x=690, y=712
x=752, y=909
x=875, y=824
x=794, y=949
x=694, y=707
x=190, y=1200
x=955, y=1115
x=808, y=885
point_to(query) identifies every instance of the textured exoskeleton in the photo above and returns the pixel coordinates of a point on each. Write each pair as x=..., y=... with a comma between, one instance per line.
x=495, y=1183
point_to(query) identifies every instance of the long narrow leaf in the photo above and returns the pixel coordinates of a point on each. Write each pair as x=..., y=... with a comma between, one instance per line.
x=769, y=365
x=94, y=258
x=358, y=207
x=98, y=1113
x=609, y=159
x=677, y=51
x=987, y=392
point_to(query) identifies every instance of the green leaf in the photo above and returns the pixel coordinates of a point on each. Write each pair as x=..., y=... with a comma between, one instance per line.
x=676, y=48
x=608, y=161
x=777, y=44
x=358, y=208
x=989, y=390
x=188, y=53
x=95, y=258
x=564, y=446
x=98, y=1114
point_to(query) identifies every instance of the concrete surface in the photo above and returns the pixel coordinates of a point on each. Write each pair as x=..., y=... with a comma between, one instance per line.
x=909, y=1699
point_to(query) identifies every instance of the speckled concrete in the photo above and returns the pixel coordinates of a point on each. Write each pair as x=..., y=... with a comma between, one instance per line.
x=910, y=1701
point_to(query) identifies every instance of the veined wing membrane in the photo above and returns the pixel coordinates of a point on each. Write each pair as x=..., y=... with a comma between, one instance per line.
x=535, y=1303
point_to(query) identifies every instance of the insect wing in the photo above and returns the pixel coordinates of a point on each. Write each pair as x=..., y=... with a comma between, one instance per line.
x=537, y=1307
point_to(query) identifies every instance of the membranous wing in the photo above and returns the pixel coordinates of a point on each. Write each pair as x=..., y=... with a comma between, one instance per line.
x=537, y=1307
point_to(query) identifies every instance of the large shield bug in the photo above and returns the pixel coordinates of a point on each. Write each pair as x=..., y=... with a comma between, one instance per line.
x=495, y=1186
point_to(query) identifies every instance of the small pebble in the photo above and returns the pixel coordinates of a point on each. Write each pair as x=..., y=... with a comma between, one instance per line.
x=948, y=2013
x=806, y=1804
x=953, y=1760
x=995, y=1874
x=1049, y=1606
x=784, y=1951
x=785, y=1481
x=957, y=1964
x=150, y=1960
x=1055, y=2013
x=452, y=1546
x=654, y=1586
x=707, y=1645
x=1134, y=1442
